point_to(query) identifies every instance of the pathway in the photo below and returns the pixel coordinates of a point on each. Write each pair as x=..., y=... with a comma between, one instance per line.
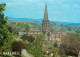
x=25, y=53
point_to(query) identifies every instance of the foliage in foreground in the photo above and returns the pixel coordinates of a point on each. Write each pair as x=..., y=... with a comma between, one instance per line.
x=5, y=35
x=70, y=45
x=35, y=47
x=17, y=47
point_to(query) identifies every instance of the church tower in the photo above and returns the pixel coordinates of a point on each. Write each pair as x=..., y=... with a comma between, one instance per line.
x=45, y=25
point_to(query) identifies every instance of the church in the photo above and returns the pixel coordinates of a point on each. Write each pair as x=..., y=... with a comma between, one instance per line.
x=50, y=36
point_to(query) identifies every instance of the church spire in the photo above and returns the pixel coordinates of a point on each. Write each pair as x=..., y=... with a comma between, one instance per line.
x=45, y=13
x=45, y=25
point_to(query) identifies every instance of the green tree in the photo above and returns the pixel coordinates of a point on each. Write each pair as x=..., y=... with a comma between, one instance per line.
x=55, y=44
x=38, y=51
x=27, y=27
x=55, y=50
x=5, y=35
x=2, y=7
x=63, y=55
x=28, y=38
x=36, y=47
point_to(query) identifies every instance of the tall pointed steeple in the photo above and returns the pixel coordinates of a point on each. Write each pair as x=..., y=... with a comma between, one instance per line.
x=45, y=13
x=45, y=25
x=45, y=20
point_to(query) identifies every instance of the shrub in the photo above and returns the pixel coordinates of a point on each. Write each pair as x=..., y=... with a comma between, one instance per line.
x=63, y=55
x=18, y=46
x=54, y=50
x=55, y=44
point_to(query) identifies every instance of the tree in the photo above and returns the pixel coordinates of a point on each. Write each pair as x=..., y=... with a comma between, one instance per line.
x=28, y=38
x=2, y=7
x=10, y=29
x=55, y=50
x=27, y=27
x=2, y=19
x=36, y=46
x=70, y=45
x=17, y=47
x=55, y=44
x=5, y=35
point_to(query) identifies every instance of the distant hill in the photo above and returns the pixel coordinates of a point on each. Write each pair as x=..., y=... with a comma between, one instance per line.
x=67, y=23
x=27, y=19
x=40, y=20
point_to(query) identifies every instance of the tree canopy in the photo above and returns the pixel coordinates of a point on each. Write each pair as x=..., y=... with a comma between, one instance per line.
x=28, y=38
x=5, y=35
x=36, y=47
x=70, y=45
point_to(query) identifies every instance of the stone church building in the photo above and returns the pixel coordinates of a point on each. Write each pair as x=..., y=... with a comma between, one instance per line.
x=50, y=36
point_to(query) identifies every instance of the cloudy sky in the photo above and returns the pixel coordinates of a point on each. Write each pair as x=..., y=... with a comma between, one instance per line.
x=58, y=10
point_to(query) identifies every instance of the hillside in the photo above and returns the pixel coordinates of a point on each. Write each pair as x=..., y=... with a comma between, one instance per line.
x=40, y=20
x=54, y=26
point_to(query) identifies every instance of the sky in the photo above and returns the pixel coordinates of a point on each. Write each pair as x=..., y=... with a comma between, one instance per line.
x=58, y=10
